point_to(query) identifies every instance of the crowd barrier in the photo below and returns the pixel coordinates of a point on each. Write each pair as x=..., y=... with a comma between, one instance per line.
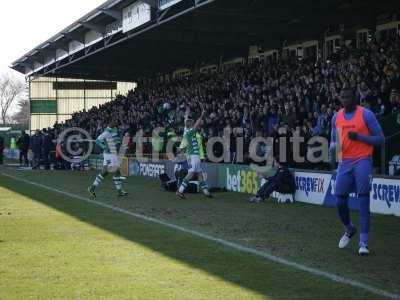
x=311, y=186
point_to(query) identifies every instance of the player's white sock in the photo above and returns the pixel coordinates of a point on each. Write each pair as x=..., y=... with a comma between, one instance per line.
x=204, y=188
x=98, y=180
x=117, y=183
x=183, y=186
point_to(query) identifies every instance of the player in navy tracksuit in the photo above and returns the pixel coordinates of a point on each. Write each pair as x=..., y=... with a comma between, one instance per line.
x=355, y=132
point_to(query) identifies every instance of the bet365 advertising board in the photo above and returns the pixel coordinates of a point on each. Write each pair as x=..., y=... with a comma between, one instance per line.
x=239, y=178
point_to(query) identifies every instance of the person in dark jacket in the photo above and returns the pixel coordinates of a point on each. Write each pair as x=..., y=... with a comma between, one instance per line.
x=23, y=146
x=36, y=147
x=47, y=146
x=282, y=182
x=1, y=150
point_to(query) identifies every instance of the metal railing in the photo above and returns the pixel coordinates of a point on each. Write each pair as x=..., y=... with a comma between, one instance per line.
x=391, y=147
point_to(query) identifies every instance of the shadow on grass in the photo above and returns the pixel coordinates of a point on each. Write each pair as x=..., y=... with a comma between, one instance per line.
x=253, y=273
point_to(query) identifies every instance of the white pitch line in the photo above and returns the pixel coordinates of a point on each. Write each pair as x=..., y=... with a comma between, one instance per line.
x=263, y=254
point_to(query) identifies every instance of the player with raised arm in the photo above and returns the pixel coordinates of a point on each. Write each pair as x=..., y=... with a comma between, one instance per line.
x=191, y=144
x=355, y=132
x=110, y=142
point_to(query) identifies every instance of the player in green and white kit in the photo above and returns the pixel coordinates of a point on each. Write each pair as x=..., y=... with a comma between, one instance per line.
x=110, y=142
x=192, y=146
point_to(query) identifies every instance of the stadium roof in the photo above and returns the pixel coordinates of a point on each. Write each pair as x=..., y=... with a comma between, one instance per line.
x=186, y=33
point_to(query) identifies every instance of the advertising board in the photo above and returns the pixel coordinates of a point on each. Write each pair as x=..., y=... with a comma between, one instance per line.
x=146, y=169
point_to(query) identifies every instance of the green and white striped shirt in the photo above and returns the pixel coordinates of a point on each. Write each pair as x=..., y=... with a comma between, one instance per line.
x=109, y=141
x=191, y=143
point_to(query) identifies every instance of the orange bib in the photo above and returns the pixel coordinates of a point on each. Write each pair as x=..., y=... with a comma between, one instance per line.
x=349, y=148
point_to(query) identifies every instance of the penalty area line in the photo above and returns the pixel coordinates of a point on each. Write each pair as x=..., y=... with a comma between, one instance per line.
x=266, y=255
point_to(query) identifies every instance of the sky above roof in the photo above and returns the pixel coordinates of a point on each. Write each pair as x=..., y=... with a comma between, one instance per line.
x=26, y=24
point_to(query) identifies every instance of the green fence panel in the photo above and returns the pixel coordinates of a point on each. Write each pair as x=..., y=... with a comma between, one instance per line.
x=43, y=107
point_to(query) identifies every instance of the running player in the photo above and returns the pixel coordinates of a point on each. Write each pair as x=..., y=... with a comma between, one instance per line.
x=356, y=131
x=191, y=144
x=110, y=141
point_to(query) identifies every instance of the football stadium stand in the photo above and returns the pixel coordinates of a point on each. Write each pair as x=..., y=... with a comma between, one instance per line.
x=267, y=75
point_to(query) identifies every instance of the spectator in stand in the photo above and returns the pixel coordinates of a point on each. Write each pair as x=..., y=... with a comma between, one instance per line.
x=380, y=108
x=259, y=96
x=23, y=146
x=395, y=100
x=272, y=121
x=321, y=122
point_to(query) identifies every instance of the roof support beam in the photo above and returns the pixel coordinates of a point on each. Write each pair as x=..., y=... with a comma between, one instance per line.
x=159, y=19
x=27, y=69
x=97, y=28
x=152, y=3
x=38, y=59
x=200, y=38
x=60, y=46
x=117, y=15
x=47, y=52
x=72, y=36
x=28, y=65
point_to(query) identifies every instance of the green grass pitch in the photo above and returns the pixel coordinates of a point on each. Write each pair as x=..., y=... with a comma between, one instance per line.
x=57, y=247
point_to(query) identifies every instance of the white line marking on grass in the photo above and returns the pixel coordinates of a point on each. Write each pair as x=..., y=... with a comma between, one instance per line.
x=263, y=254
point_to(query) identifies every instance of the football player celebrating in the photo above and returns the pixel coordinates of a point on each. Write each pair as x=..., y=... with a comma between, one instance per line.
x=192, y=146
x=355, y=132
x=110, y=141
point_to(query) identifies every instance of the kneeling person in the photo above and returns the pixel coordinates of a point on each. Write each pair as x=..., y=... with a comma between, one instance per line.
x=282, y=182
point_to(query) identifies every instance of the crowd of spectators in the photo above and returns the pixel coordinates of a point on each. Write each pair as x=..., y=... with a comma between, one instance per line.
x=259, y=99
x=40, y=145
